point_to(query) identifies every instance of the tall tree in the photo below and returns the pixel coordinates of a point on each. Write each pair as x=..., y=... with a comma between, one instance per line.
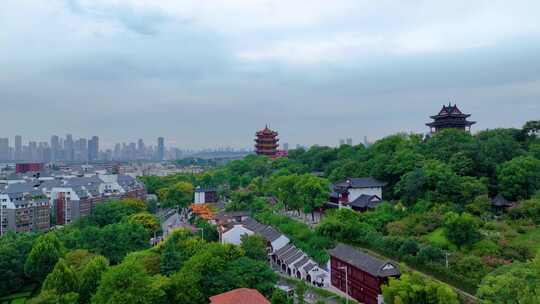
x=179, y=195
x=44, y=254
x=62, y=279
x=313, y=192
x=519, y=178
x=128, y=283
x=91, y=276
x=461, y=229
x=254, y=246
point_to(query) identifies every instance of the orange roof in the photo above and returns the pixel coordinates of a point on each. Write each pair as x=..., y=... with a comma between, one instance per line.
x=240, y=296
x=202, y=210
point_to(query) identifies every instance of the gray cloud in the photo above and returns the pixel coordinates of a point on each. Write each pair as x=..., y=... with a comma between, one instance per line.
x=211, y=75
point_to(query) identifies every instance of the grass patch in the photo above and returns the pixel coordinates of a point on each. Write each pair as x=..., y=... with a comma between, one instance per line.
x=438, y=238
x=530, y=239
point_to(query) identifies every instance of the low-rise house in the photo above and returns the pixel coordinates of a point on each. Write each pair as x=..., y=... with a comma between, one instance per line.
x=359, y=274
x=205, y=195
x=500, y=203
x=239, y=296
x=360, y=194
x=288, y=258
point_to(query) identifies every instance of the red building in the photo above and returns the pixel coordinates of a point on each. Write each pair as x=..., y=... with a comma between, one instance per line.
x=450, y=117
x=28, y=167
x=266, y=142
x=359, y=274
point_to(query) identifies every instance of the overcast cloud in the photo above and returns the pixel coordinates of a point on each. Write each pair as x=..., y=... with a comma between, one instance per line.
x=206, y=73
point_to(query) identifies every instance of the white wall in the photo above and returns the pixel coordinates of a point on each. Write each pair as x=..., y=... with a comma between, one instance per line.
x=199, y=198
x=355, y=193
x=281, y=242
x=234, y=235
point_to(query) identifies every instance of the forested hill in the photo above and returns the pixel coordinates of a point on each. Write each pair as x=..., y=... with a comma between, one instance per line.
x=438, y=216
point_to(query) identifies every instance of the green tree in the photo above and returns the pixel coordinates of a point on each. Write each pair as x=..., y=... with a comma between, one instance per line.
x=414, y=289
x=245, y=272
x=14, y=249
x=44, y=254
x=280, y=297
x=128, y=283
x=519, y=178
x=178, y=195
x=147, y=220
x=114, y=241
x=112, y=212
x=313, y=192
x=515, y=283
x=51, y=297
x=62, y=279
x=91, y=276
x=435, y=181
x=254, y=247
x=461, y=229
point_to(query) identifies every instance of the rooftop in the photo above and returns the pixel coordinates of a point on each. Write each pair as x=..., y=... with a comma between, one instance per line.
x=239, y=296
x=374, y=266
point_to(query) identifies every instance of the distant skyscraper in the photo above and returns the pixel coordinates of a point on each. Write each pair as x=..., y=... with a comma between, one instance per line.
x=349, y=141
x=4, y=149
x=341, y=142
x=286, y=146
x=93, y=148
x=68, y=147
x=55, y=148
x=18, y=148
x=161, y=148
x=140, y=147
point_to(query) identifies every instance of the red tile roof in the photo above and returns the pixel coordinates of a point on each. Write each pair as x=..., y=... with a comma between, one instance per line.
x=239, y=296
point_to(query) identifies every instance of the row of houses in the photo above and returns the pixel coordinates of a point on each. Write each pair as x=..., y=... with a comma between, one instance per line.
x=282, y=254
x=350, y=270
x=31, y=204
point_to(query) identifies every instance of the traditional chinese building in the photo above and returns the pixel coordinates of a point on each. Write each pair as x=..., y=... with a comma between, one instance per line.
x=450, y=117
x=266, y=142
x=359, y=274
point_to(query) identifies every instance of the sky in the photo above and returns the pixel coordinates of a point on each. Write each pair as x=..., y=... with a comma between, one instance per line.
x=207, y=73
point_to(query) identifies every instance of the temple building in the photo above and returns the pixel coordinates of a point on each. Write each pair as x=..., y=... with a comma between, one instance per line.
x=450, y=117
x=266, y=142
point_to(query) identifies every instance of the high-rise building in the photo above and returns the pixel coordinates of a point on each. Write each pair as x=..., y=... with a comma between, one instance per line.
x=81, y=150
x=18, y=148
x=55, y=148
x=341, y=142
x=349, y=141
x=4, y=149
x=286, y=146
x=93, y=148
x=140, y=148
x=161, y=148
x=68, y=148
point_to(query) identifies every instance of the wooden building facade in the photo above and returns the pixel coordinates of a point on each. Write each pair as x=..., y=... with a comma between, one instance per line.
x=359, y=274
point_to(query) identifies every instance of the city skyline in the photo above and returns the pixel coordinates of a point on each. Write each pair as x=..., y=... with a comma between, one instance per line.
x=313, y=70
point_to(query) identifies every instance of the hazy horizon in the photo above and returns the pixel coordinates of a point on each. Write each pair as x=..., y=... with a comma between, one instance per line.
x=211, y=73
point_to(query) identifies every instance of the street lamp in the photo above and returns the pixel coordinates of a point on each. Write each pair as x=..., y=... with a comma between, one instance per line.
x=346, y=282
